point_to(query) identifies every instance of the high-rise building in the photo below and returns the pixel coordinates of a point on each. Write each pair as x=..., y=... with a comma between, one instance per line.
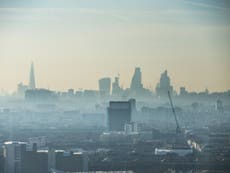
x=136, y=86
x=164, y=85
x=119, y=113
x=116, y=89
x=13, y=154
x=19, y=157
x=104, y=86
x=32, y=84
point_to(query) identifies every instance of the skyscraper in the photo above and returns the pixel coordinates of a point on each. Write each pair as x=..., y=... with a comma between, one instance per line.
x=13, y=152
x=136, y=86
x=116, y=89
x=164, y=85
x=32, y=77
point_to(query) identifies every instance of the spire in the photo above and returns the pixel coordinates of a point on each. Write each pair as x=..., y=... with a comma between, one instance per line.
x=32, y=77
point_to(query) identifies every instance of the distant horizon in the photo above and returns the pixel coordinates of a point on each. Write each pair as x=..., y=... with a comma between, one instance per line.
x=112, y=80
x=74, y=43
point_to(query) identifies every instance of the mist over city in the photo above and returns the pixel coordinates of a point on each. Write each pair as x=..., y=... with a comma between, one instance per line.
x=110, y=86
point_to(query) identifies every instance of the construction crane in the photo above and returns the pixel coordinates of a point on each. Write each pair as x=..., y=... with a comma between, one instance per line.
x=178, y=130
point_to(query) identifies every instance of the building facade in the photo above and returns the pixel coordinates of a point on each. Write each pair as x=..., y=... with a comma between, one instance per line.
x=119, y=113
x=104, y=86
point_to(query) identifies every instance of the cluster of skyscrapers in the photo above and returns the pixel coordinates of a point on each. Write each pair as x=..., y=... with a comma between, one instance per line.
x=136, y=86
x=108, y=88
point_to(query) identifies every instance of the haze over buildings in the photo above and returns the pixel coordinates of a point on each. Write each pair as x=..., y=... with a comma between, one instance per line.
x=32, y=84
x=106, y=90
x=86, y=40
x=115, y=86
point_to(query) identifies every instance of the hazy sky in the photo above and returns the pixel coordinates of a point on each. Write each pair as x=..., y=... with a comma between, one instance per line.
x=74, y=42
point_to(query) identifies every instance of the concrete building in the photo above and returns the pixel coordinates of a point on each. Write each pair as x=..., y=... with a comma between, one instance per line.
x=19, y=157
x=13, y=154
x=104, y=86
x=35, y=161
x=119, y=113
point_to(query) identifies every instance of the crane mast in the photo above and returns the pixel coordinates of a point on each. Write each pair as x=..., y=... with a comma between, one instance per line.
x=174, y=114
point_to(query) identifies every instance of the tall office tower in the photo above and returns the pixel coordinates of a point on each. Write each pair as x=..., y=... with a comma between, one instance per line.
x=13, y=154
x=136, y=86
x=164, y=85
x=104, y=86
x=119, y=113
x=32, y=77
x=116, y=89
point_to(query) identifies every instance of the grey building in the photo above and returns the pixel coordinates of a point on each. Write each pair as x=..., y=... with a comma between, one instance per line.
x=164, y=85
x=116, y=89
x=13, y=154
x=119, y=113
x=32, y=84
x=20, y=158
x=104, y=86
x=136, y=86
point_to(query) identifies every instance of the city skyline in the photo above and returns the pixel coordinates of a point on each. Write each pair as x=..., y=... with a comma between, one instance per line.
x=104, y=83
x=31, y=81
x=114, y=86
x=75, y=44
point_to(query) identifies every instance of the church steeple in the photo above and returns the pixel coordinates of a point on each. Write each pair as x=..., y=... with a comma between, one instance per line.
x=32, y=77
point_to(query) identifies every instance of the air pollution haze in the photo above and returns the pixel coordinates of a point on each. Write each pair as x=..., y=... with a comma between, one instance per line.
x=114, y=86
x=74, y=43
